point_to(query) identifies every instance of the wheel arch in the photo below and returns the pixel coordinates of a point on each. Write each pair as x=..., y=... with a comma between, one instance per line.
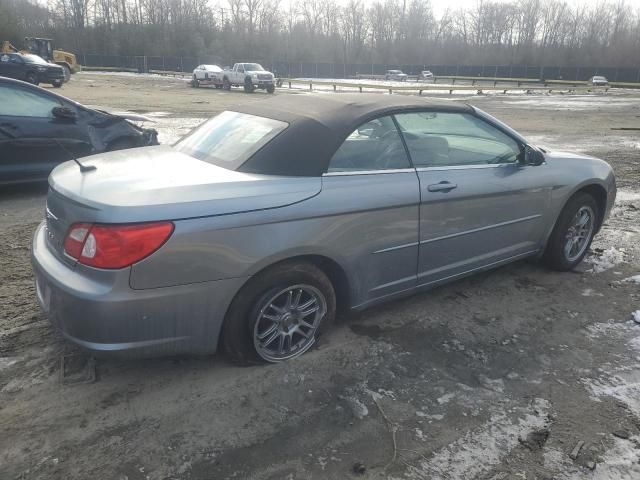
x=65, y=64
x=334, y=271
x=599, y=194
x=591, y=187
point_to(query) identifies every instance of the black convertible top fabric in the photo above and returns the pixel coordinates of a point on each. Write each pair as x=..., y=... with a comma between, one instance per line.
x=319, y=123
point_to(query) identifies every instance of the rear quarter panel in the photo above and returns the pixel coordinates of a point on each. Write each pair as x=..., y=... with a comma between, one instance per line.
x=344, y=224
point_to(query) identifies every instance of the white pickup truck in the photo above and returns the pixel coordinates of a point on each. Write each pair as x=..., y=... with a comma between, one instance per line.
x=250, y=76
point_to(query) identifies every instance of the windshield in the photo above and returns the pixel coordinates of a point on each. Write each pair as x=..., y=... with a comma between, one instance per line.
x=229, y=139
x=30, y=58
x=253, y=67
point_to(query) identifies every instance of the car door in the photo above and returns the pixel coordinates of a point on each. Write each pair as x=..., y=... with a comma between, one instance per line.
x=373, y=195
x=480, y=205
x=11, y=65
x=32, y=139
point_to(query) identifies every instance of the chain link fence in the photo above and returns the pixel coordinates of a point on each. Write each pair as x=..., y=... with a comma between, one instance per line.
x=349, y=70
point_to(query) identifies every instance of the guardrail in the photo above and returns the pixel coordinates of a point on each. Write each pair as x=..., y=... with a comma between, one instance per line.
x=108, y=69
x=497, y=80
x=521, y=81
x=426, y=87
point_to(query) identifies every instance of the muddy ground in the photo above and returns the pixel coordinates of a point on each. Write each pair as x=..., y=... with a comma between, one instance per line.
x=499, y=376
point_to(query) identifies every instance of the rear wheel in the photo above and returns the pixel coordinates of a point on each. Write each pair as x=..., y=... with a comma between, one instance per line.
x=279, y=314
x=195, y=83
x=32, y=78
x=573, y=233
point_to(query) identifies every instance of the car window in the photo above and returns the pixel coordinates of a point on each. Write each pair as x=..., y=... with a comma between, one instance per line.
x=30, y=58
x=455, y=139
x=230, y=138
x=18, y=102
x=375, y=145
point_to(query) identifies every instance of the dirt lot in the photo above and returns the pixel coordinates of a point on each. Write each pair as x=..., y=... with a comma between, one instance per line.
x=499, y=376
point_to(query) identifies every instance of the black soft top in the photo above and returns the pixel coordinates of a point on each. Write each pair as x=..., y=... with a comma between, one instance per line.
x=319, y=123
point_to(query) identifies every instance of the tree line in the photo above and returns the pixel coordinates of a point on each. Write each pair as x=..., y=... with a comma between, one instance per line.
x=534, y=32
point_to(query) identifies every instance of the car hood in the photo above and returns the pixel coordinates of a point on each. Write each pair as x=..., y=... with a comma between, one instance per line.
x=256, y=72
x=160, y=183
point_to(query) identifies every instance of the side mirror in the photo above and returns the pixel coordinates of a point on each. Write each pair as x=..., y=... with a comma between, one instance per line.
x=365, y=131
x=64, y=113
x=533, y=156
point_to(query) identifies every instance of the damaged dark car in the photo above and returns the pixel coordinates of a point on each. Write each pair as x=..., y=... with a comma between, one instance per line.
x=40, y=129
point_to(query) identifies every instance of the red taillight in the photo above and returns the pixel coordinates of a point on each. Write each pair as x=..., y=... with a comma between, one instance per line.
x=115, y=246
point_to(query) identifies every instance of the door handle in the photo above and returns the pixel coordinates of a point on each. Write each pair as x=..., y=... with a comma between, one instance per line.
x=442, y=187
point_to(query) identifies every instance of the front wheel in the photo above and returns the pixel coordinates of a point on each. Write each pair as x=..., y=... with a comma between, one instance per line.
x=195, y=83
x=573, y=233
x=226, y=85
x=67, y=73
x=57, y=83
x=279, y=314
x=271, y=88
x=248, y=85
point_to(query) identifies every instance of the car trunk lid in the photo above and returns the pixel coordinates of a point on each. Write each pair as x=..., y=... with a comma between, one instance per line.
x=158, y=183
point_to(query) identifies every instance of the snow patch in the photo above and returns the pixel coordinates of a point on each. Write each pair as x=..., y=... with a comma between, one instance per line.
x=590, y=292
x=446, y=398
x=609, y=258
x=634, y=279
x=621, y=382
x=481, y=449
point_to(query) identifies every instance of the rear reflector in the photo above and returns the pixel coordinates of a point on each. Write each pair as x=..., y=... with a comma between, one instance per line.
x=115, y=246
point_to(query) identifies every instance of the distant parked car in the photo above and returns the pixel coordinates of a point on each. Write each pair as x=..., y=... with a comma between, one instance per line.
x=207, y=75
x=425, y=75
x=396, y=75
x=248, y=231
x=30, y=68
x=598, y=81
x=39, y=130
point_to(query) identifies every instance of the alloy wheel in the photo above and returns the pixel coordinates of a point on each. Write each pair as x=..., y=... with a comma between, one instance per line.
x=287, y=322
x=579, y=233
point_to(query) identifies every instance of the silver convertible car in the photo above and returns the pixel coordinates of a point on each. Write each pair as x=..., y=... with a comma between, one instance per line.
x=252, y=230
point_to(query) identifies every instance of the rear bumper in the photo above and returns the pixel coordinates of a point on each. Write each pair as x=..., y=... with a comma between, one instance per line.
x=98, y=310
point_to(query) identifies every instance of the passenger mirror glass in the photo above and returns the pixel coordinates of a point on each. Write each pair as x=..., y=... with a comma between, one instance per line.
x=533, y=156
x=65, y=113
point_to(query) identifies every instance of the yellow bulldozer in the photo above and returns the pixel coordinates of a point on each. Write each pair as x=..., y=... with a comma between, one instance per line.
x=43, y=47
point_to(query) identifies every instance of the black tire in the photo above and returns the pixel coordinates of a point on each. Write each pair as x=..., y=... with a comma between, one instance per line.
x=271, y=88
x=555, y=255
x=248, y=85
x=57, y=83
x=226, y=85
x=67, y=73
x=237, y=337
x=32, y=78
x=195, y=83
x=217, y=85
x=121, y=144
